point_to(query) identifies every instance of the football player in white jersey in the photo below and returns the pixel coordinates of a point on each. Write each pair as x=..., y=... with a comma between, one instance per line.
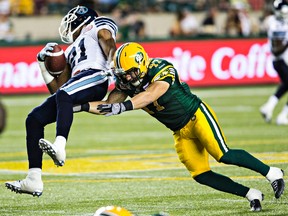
x=92, y=40
x=278, y=40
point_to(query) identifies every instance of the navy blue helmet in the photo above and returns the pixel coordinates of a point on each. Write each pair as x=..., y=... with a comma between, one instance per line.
x=75, y=19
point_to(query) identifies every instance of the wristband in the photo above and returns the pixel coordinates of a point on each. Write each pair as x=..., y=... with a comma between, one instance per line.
x=83, y=107
x=128, y=105
x=45, y=74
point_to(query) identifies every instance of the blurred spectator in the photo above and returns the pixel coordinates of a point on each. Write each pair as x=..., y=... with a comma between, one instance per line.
x=209, y=24
x=129, y=22
x=40, y=7
x=138, y=30
x=6, y=27
x=22, y=7
x=238, y=22
x=265, y=20
x=232, y=24
x=185, y=25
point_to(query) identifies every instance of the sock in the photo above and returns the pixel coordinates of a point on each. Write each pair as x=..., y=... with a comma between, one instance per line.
x=272, y=101
x=34, y=173
x=242, y=158
x=222, y=183
x=60, y=141
x=274, y=174
x=254, y=194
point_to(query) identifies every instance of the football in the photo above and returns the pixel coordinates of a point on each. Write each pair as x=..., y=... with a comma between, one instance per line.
x=55, y=63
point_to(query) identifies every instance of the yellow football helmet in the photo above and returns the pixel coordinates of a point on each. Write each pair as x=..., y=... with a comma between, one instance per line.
x=112, y=211
x=131, y=58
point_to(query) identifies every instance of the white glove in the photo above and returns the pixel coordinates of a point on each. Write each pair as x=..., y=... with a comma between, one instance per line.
x=45, y=51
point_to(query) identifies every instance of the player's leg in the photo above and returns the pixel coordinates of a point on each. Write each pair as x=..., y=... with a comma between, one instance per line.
x=282, y=70
x=215, y=143
x=267, y=109
x=35, y=123
x=195, y=157
x=86, y=86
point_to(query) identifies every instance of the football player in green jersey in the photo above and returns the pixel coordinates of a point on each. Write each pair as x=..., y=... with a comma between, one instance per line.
x=154, y=86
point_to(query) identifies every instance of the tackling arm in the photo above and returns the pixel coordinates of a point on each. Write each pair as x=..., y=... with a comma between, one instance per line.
x=152, y=93
x=115, y=96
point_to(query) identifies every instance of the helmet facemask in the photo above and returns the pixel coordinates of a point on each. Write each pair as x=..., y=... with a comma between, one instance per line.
x=68, y=28
x=135, y=76
x=281, y=9
x=131, y=63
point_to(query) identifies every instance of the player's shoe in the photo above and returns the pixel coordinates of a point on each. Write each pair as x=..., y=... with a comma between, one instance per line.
x=32, y=185
x=266, y=112
x=276, y=177
x=282, y=119
x=255, y=197
x=57, y=153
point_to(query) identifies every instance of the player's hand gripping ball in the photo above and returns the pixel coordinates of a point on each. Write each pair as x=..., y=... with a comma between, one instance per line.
x=54, y=60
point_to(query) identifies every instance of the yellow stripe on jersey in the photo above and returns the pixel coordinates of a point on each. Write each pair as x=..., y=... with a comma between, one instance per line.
x=167, y=71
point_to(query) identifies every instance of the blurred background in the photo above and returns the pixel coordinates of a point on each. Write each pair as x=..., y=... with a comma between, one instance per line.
x=31, y=20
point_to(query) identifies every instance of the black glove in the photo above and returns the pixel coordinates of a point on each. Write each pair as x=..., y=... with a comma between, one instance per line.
x=116, y=108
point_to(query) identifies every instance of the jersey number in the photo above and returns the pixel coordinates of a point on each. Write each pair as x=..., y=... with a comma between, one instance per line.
x=73, y=53
x=157, y=106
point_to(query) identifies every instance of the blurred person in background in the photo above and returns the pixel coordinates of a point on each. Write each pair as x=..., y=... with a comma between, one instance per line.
x=185, y=25
x=209, y=24
x=265, y=20
x=278, y=40
x=238, y=22
x=22, y=7
x=6, y=25
x=131, y=26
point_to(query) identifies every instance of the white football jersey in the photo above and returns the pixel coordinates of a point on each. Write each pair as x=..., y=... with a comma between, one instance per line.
x=278, y=29
x=85, y=52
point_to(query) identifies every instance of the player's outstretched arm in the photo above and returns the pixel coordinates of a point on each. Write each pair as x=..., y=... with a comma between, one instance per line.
x=115, y=96
x=141, y=100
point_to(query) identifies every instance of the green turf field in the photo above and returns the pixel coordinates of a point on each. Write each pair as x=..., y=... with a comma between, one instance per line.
x=129, y=160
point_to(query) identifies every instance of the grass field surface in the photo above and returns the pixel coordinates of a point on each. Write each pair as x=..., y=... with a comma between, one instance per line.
x=129, y=160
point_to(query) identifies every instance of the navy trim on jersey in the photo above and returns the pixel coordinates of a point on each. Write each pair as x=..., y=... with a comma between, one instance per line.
x=99, y=21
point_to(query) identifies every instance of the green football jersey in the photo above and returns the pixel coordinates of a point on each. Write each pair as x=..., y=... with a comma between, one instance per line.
x=177, y=106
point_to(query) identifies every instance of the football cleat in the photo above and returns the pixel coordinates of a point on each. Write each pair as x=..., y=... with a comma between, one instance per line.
x=278, y=186
x=26, y=186
x=255, y=205
x=266, y=113
x=58, y=155
x=282, y=119
x=255, y=197
x=275, y=177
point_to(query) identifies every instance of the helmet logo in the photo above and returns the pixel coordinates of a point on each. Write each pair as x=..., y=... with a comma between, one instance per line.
x=82, y=10
x=139, y=57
